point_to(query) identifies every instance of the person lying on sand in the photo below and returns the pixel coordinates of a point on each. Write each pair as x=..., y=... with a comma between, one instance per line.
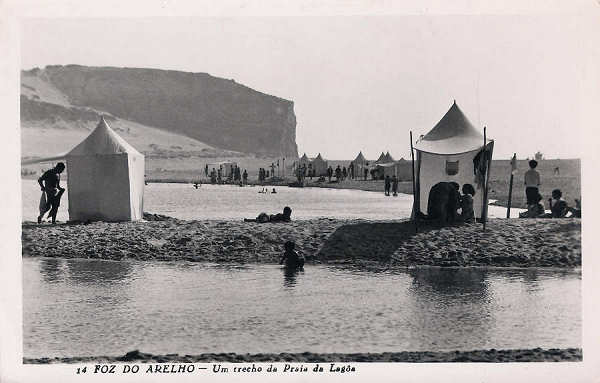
x=290, y=257
x=286, y=216
x=534, y=210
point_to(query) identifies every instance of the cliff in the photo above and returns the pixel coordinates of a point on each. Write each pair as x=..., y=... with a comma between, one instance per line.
x=218, y=112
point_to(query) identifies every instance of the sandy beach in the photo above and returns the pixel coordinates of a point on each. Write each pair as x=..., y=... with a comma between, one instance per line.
x=492, y=356
x=376, y=244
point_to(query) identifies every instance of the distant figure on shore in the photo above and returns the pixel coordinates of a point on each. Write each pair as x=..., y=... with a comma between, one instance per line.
x=206, y=170
x=213, y=176
x=395, y=185
x=51, y=192
x=329, y=173
x=344, y=173
x=351, y=170
x=387, y=185
x=534, y=210
x=532, y=182
x=338, y=173
x=274, y=191
x=467, y=214
x=556, y=171
x=366, y=171
x=286, y=216
x=245, y=177
x=196, y=185
x=290, y=257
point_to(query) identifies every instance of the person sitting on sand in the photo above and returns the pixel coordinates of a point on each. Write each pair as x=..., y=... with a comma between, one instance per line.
x=576, y=211
x=467, y=214
x=286, y=216
x=274, y=191
x=290, y=257
x=535, y=210
x=558, y=206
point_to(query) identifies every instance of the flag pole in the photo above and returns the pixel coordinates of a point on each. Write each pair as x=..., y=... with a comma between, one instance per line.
x=412, y=156
x=513, y=163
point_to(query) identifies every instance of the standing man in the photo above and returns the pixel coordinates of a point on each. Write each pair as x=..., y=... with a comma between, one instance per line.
x=532, y=183
x=50, y=184
x=245, y=177
x=387, y=185
x=395, y=185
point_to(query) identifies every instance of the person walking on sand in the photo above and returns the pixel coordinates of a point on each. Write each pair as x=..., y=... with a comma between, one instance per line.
x=50, y=185
x=395, y=185
x=532, y=183
x=387, y=184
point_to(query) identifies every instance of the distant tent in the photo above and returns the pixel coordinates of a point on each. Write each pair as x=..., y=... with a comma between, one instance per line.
x=319, y=166
x=381, y=159
x=360, y=164
x=452, y=151
x=388, y=158
x=304, y=160
x=105, y=178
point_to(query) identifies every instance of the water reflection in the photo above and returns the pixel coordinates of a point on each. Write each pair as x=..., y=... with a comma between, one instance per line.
x=51, y=269
x=457, y=283
x=290, y=275
x=454, y=304
x=98, y=272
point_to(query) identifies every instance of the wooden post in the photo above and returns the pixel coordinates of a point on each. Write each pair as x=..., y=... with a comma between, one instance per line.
x=414, y=209
x=510, y=185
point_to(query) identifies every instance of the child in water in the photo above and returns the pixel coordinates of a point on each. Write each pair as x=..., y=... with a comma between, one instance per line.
x=466, y=203
x=290, y=257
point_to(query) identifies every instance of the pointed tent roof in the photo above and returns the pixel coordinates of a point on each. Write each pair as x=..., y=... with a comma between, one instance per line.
x=103, y=141
x=453, y=134
x=381, y=158
x=360, y=158
x=319, y=157
x=304, y=157
x=388, y=157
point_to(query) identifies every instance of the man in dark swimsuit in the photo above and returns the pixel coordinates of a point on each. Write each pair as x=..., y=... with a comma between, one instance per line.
x=50, y=184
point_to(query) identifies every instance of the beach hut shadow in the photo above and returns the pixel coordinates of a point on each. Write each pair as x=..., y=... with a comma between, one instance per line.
x=375, y=241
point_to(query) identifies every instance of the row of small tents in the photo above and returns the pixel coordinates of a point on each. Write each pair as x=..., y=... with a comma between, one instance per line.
x=384, y=166
x=105, y=174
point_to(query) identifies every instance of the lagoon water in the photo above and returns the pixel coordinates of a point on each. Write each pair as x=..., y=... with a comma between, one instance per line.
x=233, y=202
x=83, y=307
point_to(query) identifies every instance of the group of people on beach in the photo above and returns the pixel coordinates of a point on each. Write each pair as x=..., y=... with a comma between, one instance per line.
x=445, y=201
x=535, y=209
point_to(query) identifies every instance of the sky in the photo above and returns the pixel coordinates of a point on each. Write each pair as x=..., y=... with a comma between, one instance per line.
x=361, y=83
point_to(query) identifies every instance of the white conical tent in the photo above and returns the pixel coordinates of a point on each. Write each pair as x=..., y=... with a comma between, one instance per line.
x=447, y=154
x=105, y=178
x=319, y=166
